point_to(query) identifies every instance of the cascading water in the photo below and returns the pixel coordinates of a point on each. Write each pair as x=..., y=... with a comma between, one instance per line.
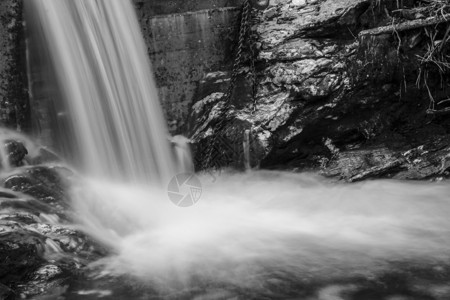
x=265, y=232
x=108, y=92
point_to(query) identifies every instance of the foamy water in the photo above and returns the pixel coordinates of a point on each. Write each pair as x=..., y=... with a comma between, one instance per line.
x=248, y=224
x=245, y=225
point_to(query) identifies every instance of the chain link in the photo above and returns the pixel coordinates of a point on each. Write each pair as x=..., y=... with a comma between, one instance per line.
x=243, y=32
x=245, y=39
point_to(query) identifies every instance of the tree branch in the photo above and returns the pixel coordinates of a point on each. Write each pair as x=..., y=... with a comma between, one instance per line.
x=408, y=25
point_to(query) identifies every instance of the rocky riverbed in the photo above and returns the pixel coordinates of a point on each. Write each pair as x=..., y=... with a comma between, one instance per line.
x=40, y=247
x=44, y=255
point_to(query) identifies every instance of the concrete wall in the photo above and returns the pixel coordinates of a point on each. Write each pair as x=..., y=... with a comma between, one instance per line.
x=182, y=48
x=165, y=7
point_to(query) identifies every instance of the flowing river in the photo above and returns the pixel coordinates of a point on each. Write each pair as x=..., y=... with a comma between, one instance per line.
x=254, y=235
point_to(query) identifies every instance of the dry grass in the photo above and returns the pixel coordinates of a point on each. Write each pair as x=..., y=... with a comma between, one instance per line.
x=429, y=43
x=434, y=7
x=436, y=57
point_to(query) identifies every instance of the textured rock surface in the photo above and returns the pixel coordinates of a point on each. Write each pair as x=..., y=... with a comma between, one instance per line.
x=15, y=152
x=14, y=109
x=3, y=48
x=39, y=248
x=329, y=100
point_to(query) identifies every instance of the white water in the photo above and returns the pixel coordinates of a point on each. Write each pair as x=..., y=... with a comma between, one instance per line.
x=103, y=72
x=244, y=224
x=248, y=225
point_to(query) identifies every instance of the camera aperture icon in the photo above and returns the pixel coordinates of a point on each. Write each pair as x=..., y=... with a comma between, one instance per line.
x=184, y=190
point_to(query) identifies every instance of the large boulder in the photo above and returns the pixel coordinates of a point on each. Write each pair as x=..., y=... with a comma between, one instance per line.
x=332, y=83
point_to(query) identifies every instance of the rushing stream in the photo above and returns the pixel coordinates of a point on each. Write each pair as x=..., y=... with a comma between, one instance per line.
x=272, y=234
x=249, y=227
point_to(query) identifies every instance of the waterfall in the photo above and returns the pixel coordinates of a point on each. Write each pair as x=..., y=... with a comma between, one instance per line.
x=258, y=231
x=109, y=119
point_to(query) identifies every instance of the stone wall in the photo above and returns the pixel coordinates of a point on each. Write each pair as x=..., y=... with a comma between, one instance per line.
x=183, y=48
x=4, y=45
x=165, y=7
x=14, y=110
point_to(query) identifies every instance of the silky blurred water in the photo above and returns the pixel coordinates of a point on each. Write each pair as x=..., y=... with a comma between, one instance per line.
x=259, y=231
x=247, y=224
x=109, y=104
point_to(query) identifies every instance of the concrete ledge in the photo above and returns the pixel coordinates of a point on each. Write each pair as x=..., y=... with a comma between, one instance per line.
x=164, y=7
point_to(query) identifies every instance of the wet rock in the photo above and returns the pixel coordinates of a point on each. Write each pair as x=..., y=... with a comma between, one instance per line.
x=47, y=184
x=326, y=99
x=361, y=164
x=43, y=279
x=428, y=161
x=259, y=4
x=44, y=156
x=6, y=194
x=39, y=248
x=67, y=240
x=31, y=206
x=21, y=251
x=298, y=75
x=28, y=243
x=15, y=152
x=20, y=216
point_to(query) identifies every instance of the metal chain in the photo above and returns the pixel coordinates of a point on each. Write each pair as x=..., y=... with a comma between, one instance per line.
x=243, y=30
x=253, y=70
x=244, y=40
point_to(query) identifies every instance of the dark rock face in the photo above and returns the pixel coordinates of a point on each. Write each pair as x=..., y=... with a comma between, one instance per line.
x=6, y=293
x=44, y=184
x=333, y=97
x=14, y=107
x=39, y=249
x=16, y=152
